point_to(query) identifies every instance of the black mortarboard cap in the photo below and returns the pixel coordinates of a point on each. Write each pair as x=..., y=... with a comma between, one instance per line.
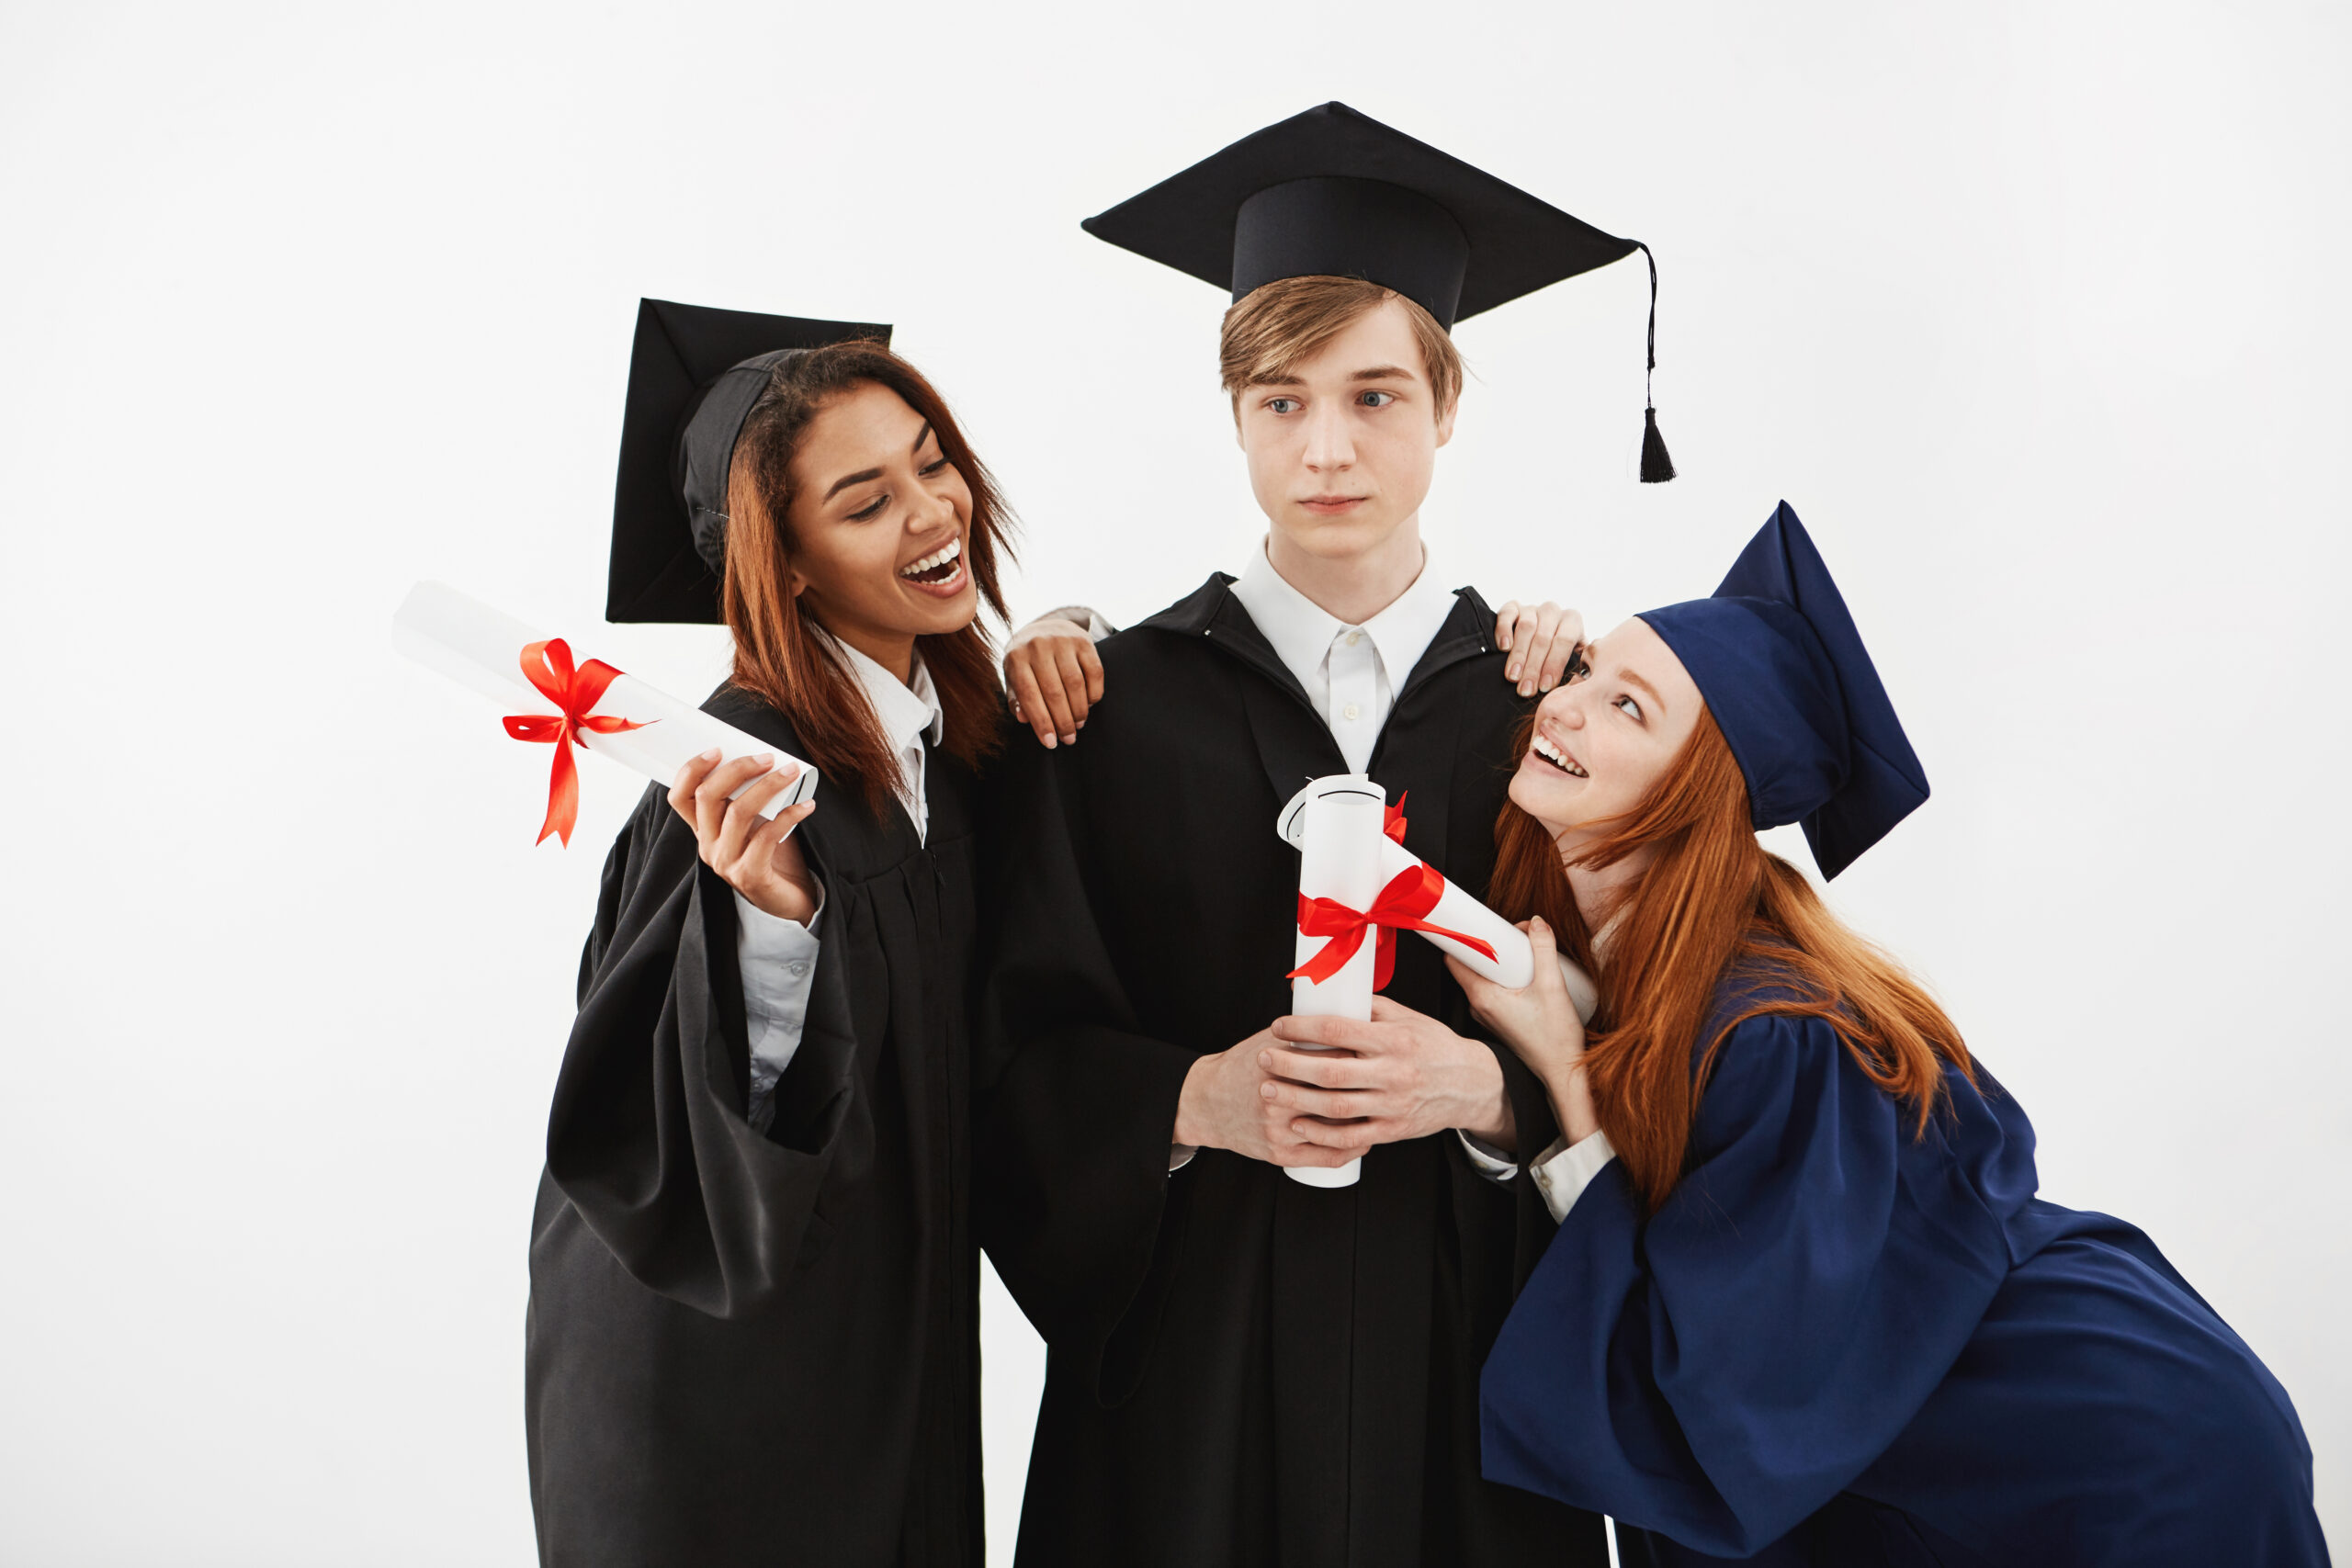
x=1777, y=656
x=1335, y=193
x=694, y=374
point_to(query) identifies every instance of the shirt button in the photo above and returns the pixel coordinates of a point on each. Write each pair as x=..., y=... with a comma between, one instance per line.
x=1354, y=637
x=795, y=970
x=1349, y=711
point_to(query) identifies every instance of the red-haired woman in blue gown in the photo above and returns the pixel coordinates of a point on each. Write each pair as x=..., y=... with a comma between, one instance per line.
x=1803, y=1306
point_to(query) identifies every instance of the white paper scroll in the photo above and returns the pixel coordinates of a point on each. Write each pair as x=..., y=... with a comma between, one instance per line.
x=481, y=648
x=1336, y=825
x=1339, y=822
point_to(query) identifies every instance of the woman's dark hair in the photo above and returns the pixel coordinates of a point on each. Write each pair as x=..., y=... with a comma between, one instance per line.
x=778, y=657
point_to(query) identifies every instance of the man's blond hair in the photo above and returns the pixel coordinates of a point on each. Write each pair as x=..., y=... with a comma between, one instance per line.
x=1270, y=332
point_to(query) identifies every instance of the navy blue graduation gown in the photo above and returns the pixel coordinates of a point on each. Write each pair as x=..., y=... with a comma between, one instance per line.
x=1838, y=1343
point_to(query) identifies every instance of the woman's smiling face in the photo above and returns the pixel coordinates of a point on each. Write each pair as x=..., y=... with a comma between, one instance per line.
x=882, y=519
x=1607, y=733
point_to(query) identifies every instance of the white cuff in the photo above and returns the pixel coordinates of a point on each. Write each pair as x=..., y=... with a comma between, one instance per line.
x=778, y=962
x=1491, y=1162
x=1179, y=1155
x=1097, y=628
x=1565, y=1170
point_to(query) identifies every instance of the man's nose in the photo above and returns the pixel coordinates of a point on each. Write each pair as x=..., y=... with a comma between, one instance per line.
x=1330, y=443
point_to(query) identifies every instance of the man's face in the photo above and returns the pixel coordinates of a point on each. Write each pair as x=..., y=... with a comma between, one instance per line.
x=1340, y=454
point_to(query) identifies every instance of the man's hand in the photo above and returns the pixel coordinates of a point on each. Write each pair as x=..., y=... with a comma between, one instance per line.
x=753, y=853
x=1540, y=640
x=1401, y=1076
x=1221, y=1107
x=1055, y=675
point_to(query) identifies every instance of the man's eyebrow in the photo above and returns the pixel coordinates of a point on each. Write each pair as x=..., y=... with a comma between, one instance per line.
x=1383, y=372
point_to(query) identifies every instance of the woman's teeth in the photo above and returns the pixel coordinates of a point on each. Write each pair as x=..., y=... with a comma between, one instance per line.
x=936, y=567
x=1559, y=758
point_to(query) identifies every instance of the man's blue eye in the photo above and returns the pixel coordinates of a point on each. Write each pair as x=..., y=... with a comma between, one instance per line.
x=1386, y=398
x=1281, y=405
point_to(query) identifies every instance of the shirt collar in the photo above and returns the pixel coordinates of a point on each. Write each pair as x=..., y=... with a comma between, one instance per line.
x=1300, y=631
x=905, y=712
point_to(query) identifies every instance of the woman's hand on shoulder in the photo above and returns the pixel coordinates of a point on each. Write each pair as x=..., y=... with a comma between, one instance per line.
x=1541, y=640
x=1054, y=677
x=754, y=854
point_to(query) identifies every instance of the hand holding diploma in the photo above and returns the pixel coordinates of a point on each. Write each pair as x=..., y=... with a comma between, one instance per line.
x=1402, y=1075
x=1543, y=1025
x=753, y=853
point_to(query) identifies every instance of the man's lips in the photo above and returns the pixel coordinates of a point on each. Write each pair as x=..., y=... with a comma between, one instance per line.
x=1332, y=505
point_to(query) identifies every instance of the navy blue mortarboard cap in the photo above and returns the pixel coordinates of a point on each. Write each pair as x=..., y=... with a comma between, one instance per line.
x=1777, y=656
x=694, y=374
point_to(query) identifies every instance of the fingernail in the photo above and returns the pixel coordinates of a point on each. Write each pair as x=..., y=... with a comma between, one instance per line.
x=1511, y=673
x=1051, y=742
x=1265, y=1091
x=765, y=759
x=1069, y=739
x=1547, y=686
x=709, y=756
x=1527, y=688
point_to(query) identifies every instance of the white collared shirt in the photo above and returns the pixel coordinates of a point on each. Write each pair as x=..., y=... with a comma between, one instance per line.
x=1352, y=674
x=778, y=958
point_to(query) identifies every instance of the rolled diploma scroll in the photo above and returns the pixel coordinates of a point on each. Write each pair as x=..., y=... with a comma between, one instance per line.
x=481, y=648
x=1513, y=964
x=1339, y=822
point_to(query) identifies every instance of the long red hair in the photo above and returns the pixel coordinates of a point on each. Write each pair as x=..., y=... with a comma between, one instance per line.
x=1711, y=898
x=779, y=657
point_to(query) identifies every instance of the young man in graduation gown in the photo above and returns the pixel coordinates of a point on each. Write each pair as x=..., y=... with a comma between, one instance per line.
x=1244, y=1368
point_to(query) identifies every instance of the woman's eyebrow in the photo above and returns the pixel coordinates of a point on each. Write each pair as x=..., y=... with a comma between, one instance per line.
x=846, y=480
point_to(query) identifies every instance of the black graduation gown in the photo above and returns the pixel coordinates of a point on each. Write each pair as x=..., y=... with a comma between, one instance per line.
x=1241, y=1369
x=749, y=1348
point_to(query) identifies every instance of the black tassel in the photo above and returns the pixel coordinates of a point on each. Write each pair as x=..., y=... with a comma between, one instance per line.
x=1657, y=467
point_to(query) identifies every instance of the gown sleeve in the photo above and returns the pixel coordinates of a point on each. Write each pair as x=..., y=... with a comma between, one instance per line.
x=1074, y=1106
x=649, y=1136
x=1719, y=1370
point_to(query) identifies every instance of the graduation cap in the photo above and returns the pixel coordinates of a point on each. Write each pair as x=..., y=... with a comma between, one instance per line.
x=1784, y=671
x=694, y=374
x=1334, y=193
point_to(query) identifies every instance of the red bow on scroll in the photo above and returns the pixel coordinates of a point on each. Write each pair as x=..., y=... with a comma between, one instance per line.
x=548, y=666
x=1403, y=906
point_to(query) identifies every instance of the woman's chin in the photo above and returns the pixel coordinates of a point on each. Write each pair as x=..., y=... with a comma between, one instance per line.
x=1544, y=793
x=937, y=615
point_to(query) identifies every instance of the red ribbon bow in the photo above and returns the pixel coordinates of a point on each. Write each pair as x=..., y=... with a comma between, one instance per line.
x=1403, y=905
x=548, y=666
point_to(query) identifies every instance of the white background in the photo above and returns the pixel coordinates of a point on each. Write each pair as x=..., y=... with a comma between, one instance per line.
x=2036, y=313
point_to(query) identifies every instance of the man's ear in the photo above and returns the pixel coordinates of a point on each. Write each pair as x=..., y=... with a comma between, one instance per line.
x=1445, y=420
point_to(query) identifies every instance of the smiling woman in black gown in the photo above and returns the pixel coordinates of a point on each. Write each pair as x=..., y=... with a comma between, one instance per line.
x=752, y=1334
